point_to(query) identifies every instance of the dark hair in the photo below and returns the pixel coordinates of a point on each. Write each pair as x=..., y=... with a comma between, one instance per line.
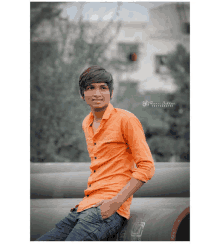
x=95, y=74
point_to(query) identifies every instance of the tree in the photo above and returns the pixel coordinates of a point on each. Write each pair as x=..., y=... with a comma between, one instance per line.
x=57, y=111
x=41, y=11
x=176, y=140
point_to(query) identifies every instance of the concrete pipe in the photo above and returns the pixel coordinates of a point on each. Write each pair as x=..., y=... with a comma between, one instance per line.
x=167, y=182
x=152, y=219
x=37, y=168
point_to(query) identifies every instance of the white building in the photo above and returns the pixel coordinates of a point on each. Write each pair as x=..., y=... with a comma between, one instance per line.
x=168, y=26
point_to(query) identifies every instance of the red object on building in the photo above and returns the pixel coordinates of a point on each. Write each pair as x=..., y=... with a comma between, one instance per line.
x=134, y=57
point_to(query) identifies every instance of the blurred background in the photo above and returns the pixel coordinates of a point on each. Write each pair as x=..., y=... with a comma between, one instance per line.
x=144, y=45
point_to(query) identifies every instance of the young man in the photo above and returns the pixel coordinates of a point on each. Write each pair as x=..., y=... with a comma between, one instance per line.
x=115, y=141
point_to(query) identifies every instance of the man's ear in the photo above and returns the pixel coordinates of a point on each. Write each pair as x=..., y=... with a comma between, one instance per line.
x=112, y=94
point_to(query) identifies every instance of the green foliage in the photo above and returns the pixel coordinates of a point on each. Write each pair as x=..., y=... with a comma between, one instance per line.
x=57, y=110
x=41, y=11
x=177, y=136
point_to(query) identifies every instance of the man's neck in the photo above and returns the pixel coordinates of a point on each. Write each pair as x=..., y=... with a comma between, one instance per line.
x=98, y=113
x=97, y=119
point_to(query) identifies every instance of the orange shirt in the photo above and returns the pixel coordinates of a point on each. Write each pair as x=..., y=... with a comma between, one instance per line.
x=118, y=144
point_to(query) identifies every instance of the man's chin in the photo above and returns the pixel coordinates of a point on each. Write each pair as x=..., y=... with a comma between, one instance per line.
x=100, y=106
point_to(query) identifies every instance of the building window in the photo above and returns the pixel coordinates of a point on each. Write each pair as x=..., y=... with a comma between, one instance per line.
x=127, y=52
x=186, y=28
x=161, y=67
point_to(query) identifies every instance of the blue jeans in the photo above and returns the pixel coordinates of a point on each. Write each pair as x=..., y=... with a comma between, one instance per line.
x=87, y=225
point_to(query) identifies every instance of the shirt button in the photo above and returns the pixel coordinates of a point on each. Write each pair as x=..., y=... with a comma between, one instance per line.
x=87, y=195
x=89, y=185
x=95, y=157
x=94, y=171
x=94, y=143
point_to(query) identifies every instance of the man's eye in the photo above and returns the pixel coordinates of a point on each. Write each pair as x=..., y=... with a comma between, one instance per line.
x=90, y=88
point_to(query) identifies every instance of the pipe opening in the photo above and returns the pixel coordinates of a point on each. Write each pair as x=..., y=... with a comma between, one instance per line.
x=183, y=231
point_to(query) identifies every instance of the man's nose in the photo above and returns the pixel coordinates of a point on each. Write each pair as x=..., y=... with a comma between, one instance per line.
x=97, y=92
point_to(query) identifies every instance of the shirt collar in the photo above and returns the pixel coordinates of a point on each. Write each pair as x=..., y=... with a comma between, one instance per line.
x=106, y=114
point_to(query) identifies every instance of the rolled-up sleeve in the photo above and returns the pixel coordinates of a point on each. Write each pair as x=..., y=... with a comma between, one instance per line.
x=135, y=137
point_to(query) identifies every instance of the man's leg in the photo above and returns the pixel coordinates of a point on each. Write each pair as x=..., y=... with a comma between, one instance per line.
x=91, y=226
x=62, y=229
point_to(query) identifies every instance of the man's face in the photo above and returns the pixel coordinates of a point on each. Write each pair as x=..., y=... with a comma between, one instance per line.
x=97, y=95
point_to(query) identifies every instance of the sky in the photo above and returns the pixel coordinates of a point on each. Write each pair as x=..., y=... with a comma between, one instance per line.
x=103, y=11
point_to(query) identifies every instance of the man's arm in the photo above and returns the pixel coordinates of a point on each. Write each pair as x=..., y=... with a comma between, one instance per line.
x=110, y=206
x=132, y=186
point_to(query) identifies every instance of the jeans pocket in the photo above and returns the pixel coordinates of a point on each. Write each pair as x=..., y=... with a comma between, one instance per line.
x=109, y=219
x=99, y=213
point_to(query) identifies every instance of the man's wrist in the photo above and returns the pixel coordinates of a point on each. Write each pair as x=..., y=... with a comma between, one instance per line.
x=132, y=186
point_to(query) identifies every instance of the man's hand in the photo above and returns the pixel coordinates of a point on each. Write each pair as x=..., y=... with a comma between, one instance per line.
x=108, y=207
